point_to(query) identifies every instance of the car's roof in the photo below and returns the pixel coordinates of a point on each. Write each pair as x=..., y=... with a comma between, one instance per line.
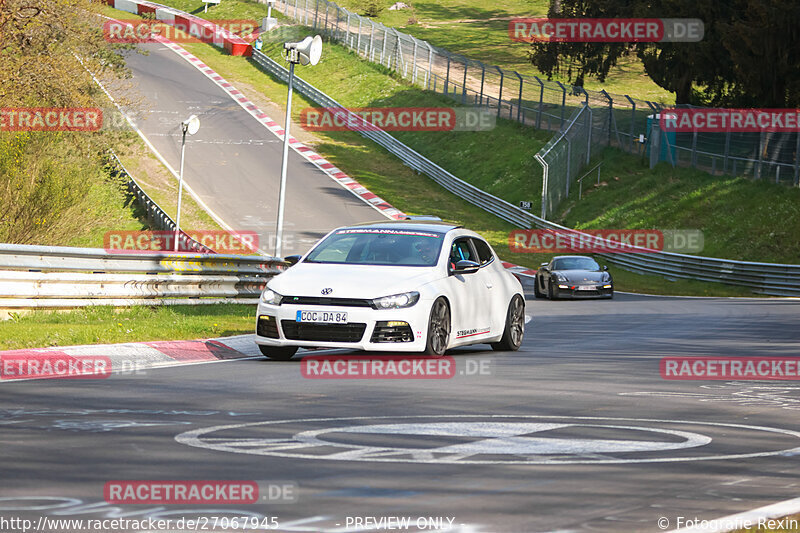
x=416, y=225
x=571, y=257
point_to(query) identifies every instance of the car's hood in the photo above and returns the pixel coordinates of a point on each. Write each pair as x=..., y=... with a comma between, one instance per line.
x=581, y=276
x=350, y=281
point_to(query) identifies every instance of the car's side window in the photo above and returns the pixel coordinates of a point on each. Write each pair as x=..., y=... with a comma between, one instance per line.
x=485, y=255
x=461, y=250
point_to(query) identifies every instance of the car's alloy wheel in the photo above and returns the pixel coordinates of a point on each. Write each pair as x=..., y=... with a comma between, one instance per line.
x=515, y=326
x=438, y=328
x=278, y=353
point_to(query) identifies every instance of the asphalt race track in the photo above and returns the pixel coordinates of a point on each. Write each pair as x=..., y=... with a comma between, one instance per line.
x=233, y=163
x=575, y=432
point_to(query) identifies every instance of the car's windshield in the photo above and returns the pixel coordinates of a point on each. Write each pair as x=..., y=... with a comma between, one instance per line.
x=378, y=246
x=575, y=263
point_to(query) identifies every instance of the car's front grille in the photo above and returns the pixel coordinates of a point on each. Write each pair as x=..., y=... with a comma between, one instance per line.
x=267, y=326
x=303, y=331
x=318, y=300
x=386, y=332
x=587, y=292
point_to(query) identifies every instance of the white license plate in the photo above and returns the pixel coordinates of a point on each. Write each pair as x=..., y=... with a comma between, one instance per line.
x=327, y=317
x=589, y=288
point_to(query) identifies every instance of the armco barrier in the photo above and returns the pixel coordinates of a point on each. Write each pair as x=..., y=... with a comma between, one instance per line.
x=232, y=43
x=765, y=278
x=155, y=215
x=410, y=157
x=59, y=277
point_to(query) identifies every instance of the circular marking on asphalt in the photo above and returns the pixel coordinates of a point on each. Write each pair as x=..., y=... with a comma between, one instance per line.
x=489, y=439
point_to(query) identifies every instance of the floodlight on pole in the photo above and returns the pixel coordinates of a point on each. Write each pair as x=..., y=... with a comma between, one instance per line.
x=190, y=126
x=305, y=52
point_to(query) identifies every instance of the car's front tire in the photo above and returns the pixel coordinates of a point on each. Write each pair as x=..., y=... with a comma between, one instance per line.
x=438, y=328
x=515, y=326
x=550, y=295
x=278, y=353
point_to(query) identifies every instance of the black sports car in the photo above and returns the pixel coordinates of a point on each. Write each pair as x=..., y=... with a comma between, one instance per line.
x=573, y=276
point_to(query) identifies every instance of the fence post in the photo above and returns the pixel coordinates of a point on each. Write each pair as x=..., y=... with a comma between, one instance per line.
x=305, y=12
x=760, y=154
x=633, y=120
x=414, y=68
x=316, y=13
x=610, y=113
x=563, y=102
x=727, y=151
x=464, y=81
x=541, y=103
x=545, y=180
x=797, y=162
x=326, y=16
x=569, y=162
x=500, y=93
x=430, y=67
x=371, y=40
x=358, y=42
x=694, y=150
x=447, y=76
x=483, y=77
x=520, y=118
x=347, y=31
x=589, y=136
x=385, y=38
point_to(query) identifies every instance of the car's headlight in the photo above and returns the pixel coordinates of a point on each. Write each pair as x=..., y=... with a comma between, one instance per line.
x=606, y=277
x=396, y=301
x=271, y=297
x=562, y=279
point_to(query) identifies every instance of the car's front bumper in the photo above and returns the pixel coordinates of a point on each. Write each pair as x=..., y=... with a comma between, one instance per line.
x=583, y=291
x=277, y=325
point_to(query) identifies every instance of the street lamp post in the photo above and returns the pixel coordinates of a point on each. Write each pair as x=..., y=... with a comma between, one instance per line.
x=190, y=126
x=306, y=52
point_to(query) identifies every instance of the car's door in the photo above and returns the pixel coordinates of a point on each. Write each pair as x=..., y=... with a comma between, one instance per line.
x=495, y=310
x=470, y=296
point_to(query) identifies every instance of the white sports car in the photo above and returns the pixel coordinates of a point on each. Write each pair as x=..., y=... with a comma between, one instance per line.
x=398, y=286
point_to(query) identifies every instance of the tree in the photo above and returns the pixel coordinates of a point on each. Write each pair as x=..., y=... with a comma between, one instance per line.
x=748, y=55
x=40, y=42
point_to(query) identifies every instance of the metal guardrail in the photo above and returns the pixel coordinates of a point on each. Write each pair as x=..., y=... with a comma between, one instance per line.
x=61, y=277
x=155, y=215
x=765, y=278
x=407, y=155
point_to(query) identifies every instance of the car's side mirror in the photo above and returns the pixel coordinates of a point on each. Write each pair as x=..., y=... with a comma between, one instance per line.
x=466, y=267
x=605, y=268
x=544, y=266
x=292, y=259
